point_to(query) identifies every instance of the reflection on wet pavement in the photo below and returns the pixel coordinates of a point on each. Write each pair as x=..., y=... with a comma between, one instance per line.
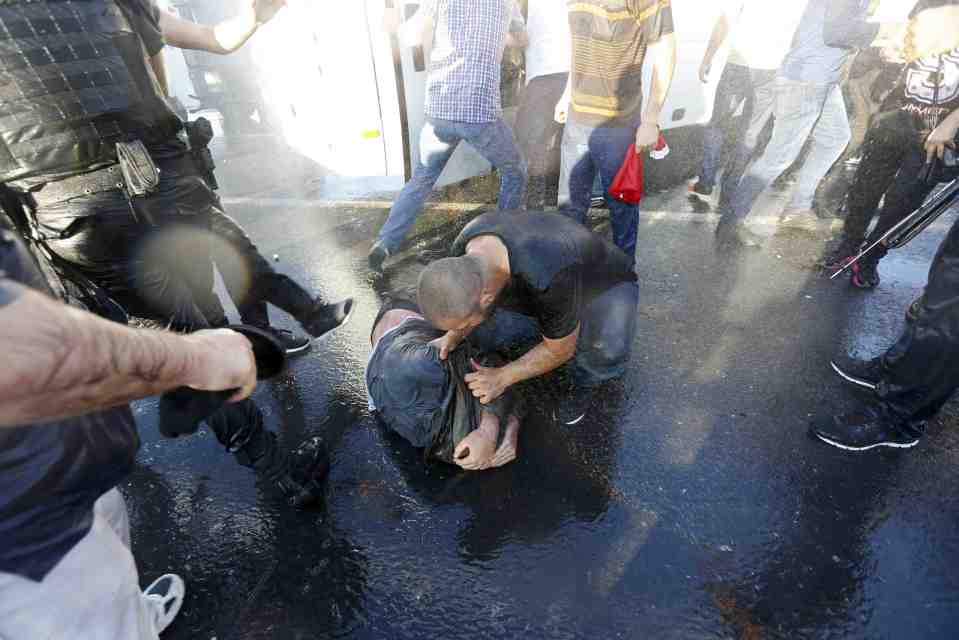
x=692, y=504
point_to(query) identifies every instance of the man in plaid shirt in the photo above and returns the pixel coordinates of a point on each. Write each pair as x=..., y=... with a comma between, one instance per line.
x=462, y=103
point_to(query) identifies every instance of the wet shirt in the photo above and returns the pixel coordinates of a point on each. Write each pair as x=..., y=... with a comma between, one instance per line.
x=469, y=36
x=51, y=474
x=829, y=32
x=557, y=266
x=610, y=38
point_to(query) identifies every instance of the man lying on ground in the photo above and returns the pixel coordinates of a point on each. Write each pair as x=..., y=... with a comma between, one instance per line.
x=425, y=399
x=556, y=283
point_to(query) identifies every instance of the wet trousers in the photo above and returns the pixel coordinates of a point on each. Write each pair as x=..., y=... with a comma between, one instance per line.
x=539, y=136
x=93, y=593
x=757, y=113
x=921, y=371
x=736, y=89
x=161, y=273
x=804, y=112
x=892, y=159
x=606, y=335
x=588, y=152
x=250, y=279
x=438, y=140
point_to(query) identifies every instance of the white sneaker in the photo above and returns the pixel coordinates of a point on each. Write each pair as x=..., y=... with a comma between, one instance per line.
x=164, y=598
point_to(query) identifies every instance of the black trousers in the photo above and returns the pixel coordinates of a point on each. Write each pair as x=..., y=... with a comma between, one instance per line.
x=893, y=156
x=162, y=273
x=539, y=137
x=921, y=371
x=250, y=279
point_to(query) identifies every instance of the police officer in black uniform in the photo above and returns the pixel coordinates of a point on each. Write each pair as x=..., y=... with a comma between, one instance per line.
x=117, y=202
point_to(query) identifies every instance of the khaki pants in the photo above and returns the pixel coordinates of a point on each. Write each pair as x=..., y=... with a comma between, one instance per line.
x=92, y=594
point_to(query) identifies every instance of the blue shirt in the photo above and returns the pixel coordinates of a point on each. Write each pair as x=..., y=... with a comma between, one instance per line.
x=830, y=30
x=469, y=36
x=51, y=474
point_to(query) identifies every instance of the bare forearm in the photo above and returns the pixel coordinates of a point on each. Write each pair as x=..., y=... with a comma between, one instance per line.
x=62, y=362
x=717, y=38
x=664, y=64
x=536, y=362
x=224, y=38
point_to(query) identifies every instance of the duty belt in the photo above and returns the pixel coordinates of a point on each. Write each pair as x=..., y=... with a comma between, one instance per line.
x=106, y=179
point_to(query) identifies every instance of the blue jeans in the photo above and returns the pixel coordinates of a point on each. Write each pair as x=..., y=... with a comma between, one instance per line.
x=757, y=112
x=737, y=88
x=606, y=334
x=438, y=140
x=588, y=151
x=803, y=111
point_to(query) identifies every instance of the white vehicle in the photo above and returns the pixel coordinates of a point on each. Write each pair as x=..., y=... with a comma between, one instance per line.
x=344, y=94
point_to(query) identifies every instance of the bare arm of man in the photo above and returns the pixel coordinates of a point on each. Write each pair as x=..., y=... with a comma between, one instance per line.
x=489, y=383
x=60, y=362
x=663, y=55
x=224, y=38
x=716, y=40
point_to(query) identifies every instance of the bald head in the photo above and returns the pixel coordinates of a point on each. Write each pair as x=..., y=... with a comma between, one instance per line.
x=450, y=290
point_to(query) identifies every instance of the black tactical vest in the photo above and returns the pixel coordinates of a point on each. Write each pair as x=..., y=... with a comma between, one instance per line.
x=74, y=80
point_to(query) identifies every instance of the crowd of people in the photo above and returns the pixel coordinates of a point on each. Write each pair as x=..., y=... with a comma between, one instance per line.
x=109, y=212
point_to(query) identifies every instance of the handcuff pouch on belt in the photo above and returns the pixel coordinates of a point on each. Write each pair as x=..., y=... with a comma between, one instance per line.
x=140, y=174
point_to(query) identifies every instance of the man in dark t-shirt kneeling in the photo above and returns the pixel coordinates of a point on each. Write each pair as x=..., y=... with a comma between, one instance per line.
x=548, y=278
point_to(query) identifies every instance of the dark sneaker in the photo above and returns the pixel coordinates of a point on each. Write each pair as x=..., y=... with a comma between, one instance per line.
x=737, y=235
x=865, y=274
x=862, y=431
x=862, y=373
x=574, y=406
x=293, y=343
x=427, y=256
x=377, y=256
x=326, y=317
x=303, y=476
x=163, y=598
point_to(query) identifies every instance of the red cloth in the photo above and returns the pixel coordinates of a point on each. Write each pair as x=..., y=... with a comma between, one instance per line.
x=627, y=186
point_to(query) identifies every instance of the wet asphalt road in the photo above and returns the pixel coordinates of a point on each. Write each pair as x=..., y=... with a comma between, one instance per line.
x=690, y=504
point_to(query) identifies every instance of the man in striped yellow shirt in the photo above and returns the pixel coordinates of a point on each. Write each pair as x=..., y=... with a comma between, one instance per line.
x=604, y=99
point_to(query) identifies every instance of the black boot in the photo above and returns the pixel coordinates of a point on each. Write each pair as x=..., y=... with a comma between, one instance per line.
x=326, y=317
x=299, y=475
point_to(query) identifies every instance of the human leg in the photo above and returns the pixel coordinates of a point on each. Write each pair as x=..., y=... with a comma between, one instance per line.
x=252, y=282
x=438, y=141
x=797, y=108
x=606, y=336
x=91, y=594
x=577, y=172
x=919, y=374
x=880, y=162
x=536, y=130
x=495, y=142
x=904, y=196
x=734, y=87
x=608, y=147
x=828, y=140
x=757, y=112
